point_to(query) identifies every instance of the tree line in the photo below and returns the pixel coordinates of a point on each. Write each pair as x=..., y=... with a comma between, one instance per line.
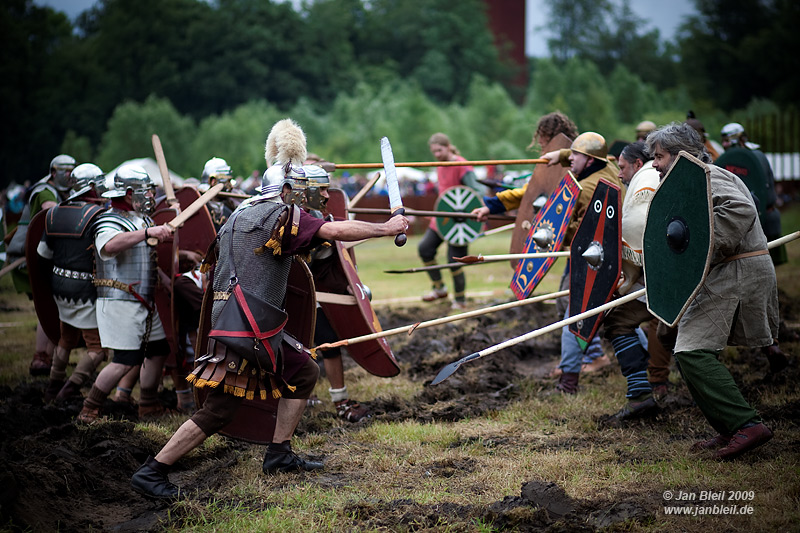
x=211, y=78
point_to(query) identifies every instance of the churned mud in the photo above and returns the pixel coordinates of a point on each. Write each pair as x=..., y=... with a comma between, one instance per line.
x=55, y=475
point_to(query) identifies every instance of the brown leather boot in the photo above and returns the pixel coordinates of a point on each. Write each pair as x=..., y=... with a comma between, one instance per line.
x=70, y=391
x=568, y=382
x=51, y=392
x=40, y=365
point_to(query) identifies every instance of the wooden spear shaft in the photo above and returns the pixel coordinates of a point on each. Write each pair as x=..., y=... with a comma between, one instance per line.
x=422, y=164
x=415, y=212
x=429, y=323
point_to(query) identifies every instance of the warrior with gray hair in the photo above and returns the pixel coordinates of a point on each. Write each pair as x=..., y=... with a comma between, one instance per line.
x=127, y=319
x=737, y=303
x=673, y=138
x=259, y=243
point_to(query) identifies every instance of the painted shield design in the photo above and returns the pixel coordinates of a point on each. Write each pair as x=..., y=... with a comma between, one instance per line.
x=678, y=238
x=543, y=182
x=595, y=258
x=545, y=235
x=459, y=231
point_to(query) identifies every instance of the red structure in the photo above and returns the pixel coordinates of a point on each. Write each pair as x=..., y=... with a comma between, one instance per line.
x=507, y=23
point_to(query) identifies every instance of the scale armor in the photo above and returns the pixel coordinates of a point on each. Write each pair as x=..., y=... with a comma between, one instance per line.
x=135, y=266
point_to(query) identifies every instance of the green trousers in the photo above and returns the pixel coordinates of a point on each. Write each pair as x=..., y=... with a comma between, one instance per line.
x=714, y=391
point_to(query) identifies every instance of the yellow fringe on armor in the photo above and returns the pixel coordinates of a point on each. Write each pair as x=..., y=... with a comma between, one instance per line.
x=249, y=395
x=291, y=387
x=191, y=378
x=295, y=229
x=313, y=352
x=276, y=393
x=263, y=394
x=205, y=268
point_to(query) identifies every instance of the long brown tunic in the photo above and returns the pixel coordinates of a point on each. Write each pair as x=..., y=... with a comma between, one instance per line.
x=738, y=302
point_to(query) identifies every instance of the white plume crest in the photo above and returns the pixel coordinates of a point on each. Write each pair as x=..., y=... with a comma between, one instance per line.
x=286, y=144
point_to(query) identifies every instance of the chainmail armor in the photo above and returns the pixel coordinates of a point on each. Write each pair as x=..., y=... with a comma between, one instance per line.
x=265, y=274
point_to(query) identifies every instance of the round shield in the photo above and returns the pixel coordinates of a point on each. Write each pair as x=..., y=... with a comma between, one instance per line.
x=459, y=231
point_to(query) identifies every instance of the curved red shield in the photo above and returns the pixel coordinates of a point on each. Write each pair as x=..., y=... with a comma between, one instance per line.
x=39, y=271
x=255, y=419
x=353, y=316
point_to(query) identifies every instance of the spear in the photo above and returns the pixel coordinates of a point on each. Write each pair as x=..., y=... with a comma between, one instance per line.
x=448, y=371
x=478, y=259
x=11, y=266
x=415, y=212
x=422, y=164
x=435, y=322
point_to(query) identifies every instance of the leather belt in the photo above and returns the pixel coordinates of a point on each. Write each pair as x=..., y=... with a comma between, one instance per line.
x=72, y=274
x=114, y=284
x=742, y=256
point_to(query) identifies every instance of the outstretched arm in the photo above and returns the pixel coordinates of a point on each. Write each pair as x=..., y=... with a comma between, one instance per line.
x=356, y=230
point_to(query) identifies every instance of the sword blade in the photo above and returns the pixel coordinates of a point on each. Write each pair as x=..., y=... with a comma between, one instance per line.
x=395, y=202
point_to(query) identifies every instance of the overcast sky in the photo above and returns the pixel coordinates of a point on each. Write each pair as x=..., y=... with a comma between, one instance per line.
x=666, y=16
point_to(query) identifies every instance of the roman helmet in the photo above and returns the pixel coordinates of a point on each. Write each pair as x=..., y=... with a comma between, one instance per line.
x=591, y=144
x=134, y=178
x=88, y=176
x=285, y=153
x=218, y=169
x=61, y=171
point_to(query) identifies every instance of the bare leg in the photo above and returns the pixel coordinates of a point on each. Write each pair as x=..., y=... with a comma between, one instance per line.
x=289, y=414
x=334, y=370
x=188, y=437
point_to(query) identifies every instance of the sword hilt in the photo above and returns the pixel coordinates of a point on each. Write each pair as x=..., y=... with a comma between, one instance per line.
x=400, y=239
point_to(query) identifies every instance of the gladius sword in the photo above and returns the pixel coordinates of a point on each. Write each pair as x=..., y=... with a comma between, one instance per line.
x=395, y=201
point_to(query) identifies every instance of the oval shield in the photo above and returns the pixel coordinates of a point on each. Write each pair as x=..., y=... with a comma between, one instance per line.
x=678, y=238
x=458, y=230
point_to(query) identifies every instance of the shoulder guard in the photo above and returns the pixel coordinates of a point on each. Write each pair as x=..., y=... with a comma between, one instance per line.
x=71, y=219
x=114, y=219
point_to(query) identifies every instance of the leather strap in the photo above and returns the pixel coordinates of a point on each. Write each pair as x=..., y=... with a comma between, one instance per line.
x=114, y=284
x=744, y=255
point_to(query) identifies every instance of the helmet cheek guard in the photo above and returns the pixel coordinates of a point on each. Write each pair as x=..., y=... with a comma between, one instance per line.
x=317, y=181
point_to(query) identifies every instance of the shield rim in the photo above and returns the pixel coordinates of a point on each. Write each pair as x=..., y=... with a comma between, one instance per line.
x=693, y=295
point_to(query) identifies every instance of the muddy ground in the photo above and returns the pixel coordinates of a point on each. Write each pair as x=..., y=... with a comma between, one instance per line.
x=55, y=475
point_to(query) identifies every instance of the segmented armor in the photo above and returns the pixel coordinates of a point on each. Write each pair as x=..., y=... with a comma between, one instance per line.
x=68, y=233
x=135, y=267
